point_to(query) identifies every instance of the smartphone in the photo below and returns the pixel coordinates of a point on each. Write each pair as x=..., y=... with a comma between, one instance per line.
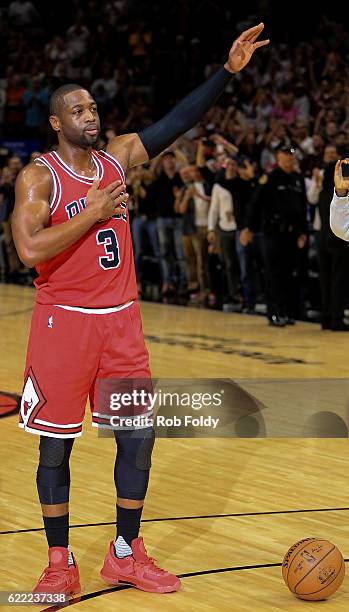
x=345, y=170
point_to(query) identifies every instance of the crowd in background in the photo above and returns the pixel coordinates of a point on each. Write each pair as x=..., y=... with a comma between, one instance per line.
x=204, y=230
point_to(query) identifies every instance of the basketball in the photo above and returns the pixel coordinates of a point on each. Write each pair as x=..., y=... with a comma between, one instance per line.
x=313, y=569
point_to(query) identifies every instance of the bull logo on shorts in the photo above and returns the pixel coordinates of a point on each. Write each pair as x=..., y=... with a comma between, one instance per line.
x=31, y=397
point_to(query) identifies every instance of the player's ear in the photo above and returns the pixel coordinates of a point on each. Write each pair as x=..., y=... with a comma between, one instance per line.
x=55, y=123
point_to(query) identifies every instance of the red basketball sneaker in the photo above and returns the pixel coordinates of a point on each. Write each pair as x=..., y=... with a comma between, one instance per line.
x=61, y=575
x=138, y=569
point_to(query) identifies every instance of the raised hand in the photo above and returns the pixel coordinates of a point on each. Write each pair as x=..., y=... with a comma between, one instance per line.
x=244, y=47
x=107, y=202
x=341, y=182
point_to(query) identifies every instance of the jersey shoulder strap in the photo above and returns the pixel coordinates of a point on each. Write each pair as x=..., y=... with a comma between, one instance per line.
x=56, y=189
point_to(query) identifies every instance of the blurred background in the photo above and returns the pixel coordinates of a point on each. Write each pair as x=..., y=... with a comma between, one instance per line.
x=189, y=206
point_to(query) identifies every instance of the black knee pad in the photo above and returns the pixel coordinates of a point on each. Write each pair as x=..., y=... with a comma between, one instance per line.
x=133, y=462
x=143, y=456
x=53, y=475
x=52, y=451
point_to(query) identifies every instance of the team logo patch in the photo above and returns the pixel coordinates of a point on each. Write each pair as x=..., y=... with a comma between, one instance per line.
x=32, y=397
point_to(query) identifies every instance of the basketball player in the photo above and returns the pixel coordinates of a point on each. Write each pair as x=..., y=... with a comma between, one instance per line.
x=70, y=222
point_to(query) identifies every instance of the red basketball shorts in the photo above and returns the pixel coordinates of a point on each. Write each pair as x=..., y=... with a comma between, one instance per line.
x=69, y=353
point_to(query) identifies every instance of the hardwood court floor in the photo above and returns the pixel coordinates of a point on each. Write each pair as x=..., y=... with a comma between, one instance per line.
x=220, y=512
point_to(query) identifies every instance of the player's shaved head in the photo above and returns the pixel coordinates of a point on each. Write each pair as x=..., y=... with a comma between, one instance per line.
x=57, y=98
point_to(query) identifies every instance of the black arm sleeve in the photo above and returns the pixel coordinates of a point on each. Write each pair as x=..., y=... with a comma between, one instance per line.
x=185, y=114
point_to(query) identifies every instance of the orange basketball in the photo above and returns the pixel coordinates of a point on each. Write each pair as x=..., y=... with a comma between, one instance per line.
x=313, y=569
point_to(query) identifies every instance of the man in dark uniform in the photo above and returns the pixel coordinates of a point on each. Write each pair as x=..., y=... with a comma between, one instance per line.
x=280, y=199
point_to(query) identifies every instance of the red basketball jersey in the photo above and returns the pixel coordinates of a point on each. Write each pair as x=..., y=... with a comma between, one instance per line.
x=97, y=271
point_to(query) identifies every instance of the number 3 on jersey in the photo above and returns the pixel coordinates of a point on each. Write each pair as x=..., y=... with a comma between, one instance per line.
x=108, y=238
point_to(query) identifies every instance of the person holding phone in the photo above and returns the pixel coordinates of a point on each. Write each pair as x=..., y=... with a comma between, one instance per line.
x=339, y=208
x=339, y=223
x=332, y=252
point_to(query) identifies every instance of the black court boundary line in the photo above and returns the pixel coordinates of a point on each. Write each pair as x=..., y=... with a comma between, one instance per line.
x=220, y=570
x=188, y=518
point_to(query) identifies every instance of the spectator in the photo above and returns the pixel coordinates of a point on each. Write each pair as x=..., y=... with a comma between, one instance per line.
x=181, y=206
x=282, y=199
x=77, y=38
x=15, y=165
x=2, y=106
x=79, y=70
x=314, y=148
x=333, y=253
x=239, y=179
x=302, y=101
x=14, y=110
x=314, y=185
x=144, y=222
x=139, y=40
x=56, y=50
x=22, y=13
x=7, y=202
x=169, y=225
x=249, y=148
x=222, y=229
x=194, y=206
x=35, y=101
x=285, y=108
x=107, y=81
x=262, y=108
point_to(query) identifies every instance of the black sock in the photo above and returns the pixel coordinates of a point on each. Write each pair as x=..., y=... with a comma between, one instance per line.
x=57, y=530
x=128, y=523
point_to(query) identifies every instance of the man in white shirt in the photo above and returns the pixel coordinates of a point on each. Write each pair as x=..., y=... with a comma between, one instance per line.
x=230, y=196
x=221, y=217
